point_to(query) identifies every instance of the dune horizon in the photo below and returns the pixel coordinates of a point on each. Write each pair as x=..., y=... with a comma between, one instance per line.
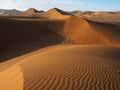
x=59, y=50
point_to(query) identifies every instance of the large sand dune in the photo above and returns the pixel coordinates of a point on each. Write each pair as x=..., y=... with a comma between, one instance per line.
x=66, y=67
x=55, y=13
x=27, y=63
x=83, y=31
x=19, y=36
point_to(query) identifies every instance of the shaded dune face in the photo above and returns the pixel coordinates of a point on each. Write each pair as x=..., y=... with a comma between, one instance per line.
x=20, y=36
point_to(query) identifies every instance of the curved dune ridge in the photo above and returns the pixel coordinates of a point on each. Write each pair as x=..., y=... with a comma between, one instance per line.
x=66, y=67
x=87, y=32
x=86, y=55
x=56, y=13
x=31, y=10
x=28, y=35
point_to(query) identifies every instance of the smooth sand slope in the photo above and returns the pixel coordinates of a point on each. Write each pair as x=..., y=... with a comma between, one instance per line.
x=87, y=56
x=66, y=67
x=88, y=32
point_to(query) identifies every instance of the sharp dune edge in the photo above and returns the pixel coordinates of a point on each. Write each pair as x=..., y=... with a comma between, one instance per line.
x=85, y=55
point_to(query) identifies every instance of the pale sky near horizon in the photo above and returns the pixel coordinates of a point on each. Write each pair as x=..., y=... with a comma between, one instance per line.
x=92, y=5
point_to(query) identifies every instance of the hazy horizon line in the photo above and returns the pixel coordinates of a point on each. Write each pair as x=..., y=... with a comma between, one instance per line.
x=58, y=8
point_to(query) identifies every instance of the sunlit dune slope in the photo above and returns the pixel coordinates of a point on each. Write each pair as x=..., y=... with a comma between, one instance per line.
x=31, y=11
x=56, y=13
x=83, y=31
x=66, y=67
x=87, y=32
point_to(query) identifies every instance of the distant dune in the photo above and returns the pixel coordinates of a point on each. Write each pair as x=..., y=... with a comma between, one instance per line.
x=56, y=13
x=31, y=10
x=85, y=55
x=89, y=14
x=99, y=16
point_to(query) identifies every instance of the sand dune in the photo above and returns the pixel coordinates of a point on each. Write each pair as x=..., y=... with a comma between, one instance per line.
x=31, y=10
x=56, y=13
x=31, y=13
x=86, y=55
x=110, y=19
x=87, y=32
x=67, y=67
x=28, y=34
x=89, y=14
x=99, y=16
x=21, y=36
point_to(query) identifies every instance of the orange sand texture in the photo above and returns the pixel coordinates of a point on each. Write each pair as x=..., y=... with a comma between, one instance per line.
x=55, y=50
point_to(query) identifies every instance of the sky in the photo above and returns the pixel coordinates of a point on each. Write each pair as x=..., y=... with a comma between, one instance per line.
x=68, y=5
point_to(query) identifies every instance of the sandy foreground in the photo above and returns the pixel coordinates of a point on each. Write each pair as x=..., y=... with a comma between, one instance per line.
x=58, y=51
x=66, y=67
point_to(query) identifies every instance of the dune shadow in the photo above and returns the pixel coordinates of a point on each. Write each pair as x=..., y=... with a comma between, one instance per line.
x=20, y=48
x=20, y=37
